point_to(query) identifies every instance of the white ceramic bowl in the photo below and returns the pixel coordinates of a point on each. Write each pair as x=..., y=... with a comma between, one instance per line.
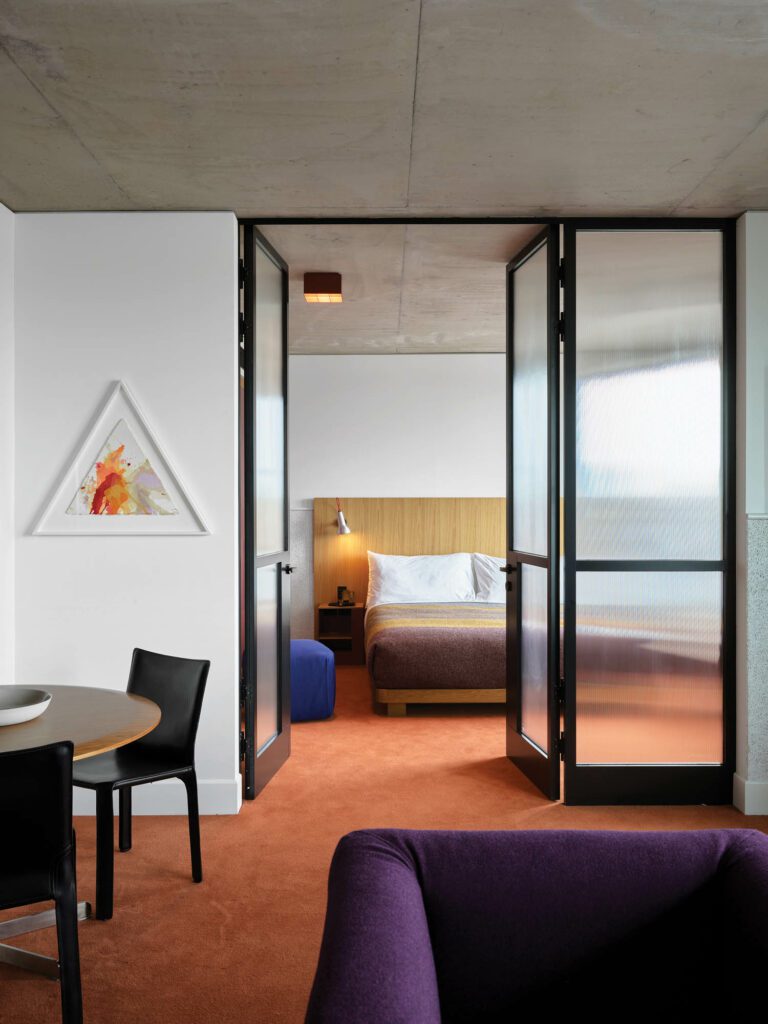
x=21, y=704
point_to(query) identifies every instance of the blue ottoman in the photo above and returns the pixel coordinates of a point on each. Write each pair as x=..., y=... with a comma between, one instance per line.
x=313, y=681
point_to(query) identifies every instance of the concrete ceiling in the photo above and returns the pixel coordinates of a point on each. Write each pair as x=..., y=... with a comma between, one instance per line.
x=333, y=107
x=414, y=288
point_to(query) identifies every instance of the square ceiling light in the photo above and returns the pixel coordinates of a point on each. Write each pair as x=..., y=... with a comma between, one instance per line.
x=322, y=287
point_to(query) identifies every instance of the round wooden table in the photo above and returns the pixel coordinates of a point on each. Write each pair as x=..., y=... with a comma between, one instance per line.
x=95, y=720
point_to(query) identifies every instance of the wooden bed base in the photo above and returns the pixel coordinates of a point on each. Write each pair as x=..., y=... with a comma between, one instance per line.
x=396, y=701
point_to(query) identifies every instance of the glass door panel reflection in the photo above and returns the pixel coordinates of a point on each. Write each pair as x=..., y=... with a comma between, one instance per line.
x=269, y=406
x=267, y=655
x=649, y=678
x=534, y=652
x=649, y=480
x=530, y=409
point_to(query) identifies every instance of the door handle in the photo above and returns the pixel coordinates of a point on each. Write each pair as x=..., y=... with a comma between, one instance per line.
x=507, y=568
x=288, y=569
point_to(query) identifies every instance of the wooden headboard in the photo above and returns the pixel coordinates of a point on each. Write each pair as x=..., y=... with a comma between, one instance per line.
x=399, y=526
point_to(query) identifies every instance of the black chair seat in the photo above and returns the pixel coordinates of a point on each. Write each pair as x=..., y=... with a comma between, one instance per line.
x=129, y=765
x=177, y=685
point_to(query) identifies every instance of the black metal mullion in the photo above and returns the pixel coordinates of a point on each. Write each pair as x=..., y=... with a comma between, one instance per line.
x=553, y=512
x=249, y=654
x=729, y=493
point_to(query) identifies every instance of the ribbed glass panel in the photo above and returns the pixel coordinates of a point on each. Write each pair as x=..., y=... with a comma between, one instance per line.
x=649, y=318
x=267, y=661
x=533, y=654
x=529, y=406
x=269, y=412
x=649, y=686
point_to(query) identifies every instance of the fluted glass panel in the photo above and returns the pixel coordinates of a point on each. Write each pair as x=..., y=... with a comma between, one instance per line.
x=269, y=412
x=529, y=406
x=649, y=686
x=649, y=319
x=533, y=654
x=267, y=655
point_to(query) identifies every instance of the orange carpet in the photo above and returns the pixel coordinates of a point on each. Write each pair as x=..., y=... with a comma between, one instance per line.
x=242, y=946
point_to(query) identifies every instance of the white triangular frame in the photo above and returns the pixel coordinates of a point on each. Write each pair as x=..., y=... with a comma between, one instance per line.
x=119, y=404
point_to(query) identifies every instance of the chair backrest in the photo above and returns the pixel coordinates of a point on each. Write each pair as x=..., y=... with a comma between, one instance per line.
x=177, y=686
x=36, y=800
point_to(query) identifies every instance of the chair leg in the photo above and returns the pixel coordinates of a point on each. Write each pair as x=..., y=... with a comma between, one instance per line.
x=125, y=840
x=105, y=853
x=190, y=781
x=69, y=954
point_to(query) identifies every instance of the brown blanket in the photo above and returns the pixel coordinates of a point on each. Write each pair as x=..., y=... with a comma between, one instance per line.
x=436, y=646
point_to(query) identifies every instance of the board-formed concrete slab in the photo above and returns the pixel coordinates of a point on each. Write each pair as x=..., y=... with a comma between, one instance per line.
x=384, y=107
x=407, y=288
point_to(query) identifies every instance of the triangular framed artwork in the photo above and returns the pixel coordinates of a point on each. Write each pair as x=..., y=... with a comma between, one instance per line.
x=120, y=481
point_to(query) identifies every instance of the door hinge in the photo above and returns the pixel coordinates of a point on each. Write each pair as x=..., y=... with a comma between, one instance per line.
x=561, y=273
x=561, y=327
x=241, y=273
x=243, y=746
x=561, y=746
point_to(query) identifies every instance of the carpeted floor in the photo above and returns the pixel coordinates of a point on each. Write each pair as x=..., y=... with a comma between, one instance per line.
x=242, y=946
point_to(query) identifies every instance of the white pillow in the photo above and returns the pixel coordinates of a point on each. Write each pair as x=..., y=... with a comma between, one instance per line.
x=489, y=581
x=415, y=579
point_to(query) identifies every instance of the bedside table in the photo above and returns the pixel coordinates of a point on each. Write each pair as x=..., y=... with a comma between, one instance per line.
x=341, y=629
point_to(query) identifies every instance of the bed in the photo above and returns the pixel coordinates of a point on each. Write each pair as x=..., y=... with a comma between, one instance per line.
x=427, y=570
x=435, y=629
x=436, y=653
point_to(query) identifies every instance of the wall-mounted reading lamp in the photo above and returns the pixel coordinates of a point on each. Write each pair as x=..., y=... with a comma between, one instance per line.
x=343, y=528
x=322, y=287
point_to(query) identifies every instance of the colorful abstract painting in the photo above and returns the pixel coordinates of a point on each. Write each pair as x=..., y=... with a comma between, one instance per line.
x=122, y=482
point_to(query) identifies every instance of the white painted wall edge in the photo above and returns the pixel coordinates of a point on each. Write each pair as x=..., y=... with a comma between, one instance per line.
x=216, y=796
x=750, y=797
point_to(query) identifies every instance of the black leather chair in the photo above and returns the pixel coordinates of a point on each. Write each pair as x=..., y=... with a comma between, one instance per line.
x=177, y=685
x=37, y=855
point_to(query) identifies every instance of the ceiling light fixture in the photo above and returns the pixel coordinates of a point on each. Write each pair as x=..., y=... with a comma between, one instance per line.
x=322, y=287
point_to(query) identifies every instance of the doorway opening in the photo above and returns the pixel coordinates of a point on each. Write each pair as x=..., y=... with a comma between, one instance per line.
x=620, y=433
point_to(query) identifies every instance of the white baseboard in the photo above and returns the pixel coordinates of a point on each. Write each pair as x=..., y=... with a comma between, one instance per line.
x=216, y=796
x=750, y=797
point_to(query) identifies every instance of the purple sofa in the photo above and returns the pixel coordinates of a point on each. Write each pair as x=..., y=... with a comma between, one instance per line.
x=430, y=927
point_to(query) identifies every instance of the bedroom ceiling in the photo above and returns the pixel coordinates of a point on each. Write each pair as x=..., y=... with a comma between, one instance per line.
x=407, y=288
x=384, y=107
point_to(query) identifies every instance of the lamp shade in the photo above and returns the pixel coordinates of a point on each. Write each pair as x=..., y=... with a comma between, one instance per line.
x=343, y=528
x=322, y=287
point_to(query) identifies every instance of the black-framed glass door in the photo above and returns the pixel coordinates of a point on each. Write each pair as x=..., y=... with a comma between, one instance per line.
x=649, y=505
x=533, y=660
x=266, y=658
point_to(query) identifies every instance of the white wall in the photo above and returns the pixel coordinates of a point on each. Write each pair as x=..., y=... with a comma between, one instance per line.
x=7, y=237
x=751, y=779
x=149, y=298
x=389, y=426
x=395, y=426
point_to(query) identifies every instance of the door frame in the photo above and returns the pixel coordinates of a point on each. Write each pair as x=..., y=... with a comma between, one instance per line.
x=653, y=784
x=542, y=768
x=722, y=776
x=259, y=768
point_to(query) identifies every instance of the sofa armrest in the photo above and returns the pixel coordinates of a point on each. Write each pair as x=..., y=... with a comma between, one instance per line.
x=376, y=963
x=745, y=891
